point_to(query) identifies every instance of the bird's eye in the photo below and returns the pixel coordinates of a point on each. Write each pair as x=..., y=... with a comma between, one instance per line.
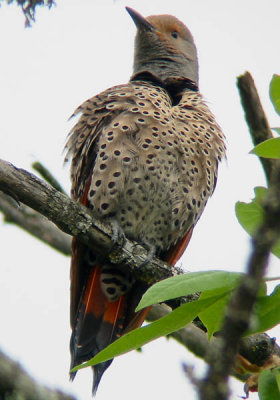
x=174, y=34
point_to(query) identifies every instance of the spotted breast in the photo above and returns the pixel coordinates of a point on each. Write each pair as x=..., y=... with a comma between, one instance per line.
x=144, y=158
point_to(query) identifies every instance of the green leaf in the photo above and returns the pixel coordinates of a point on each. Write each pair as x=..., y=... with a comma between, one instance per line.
x=267, y=312
x=177, y=319
x=189, y=283
x=276, y=249
x=268, y=386
x=213, y=316
x=277, y=377
x=274, y=92
x=268, y=149
x=250, y=215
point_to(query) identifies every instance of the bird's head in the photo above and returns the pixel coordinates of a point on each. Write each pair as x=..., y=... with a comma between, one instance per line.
x=164, y=49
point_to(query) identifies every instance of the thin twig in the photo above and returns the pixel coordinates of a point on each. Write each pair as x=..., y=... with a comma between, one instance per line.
x=46, y=174
x=35, y=224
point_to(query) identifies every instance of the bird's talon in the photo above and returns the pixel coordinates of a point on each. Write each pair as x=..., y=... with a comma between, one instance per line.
x=151, y=253
x=118, y=233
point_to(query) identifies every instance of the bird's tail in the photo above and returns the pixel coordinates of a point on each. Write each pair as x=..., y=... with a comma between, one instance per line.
x=96, y=321
x=99, y=322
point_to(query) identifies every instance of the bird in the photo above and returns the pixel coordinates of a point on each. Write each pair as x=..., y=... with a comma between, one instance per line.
x=144, y=158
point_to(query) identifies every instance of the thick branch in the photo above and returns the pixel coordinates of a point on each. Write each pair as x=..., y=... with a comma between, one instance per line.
x=240, y=309
x=15, y=383
x=76, y=220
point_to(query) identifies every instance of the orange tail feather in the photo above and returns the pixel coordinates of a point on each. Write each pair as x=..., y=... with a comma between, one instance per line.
x=177, y=251
x=96, y=321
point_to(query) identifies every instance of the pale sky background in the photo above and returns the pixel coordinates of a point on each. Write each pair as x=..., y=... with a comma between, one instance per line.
x=72, y=52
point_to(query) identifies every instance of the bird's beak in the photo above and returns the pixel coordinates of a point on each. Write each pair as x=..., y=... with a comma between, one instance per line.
x=140, y=21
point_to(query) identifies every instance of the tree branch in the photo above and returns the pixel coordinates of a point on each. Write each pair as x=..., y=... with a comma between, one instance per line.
x=17, y=384
x=47, y=176
x=256, y=119
x=237, y=319
x=75, y=219
x=29, y=8
x=35, y=224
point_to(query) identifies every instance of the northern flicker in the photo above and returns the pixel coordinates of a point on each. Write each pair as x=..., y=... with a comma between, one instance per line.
x=144, y=158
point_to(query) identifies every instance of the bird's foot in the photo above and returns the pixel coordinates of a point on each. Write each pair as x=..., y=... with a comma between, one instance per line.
x=151, y=249
x=118, y=233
